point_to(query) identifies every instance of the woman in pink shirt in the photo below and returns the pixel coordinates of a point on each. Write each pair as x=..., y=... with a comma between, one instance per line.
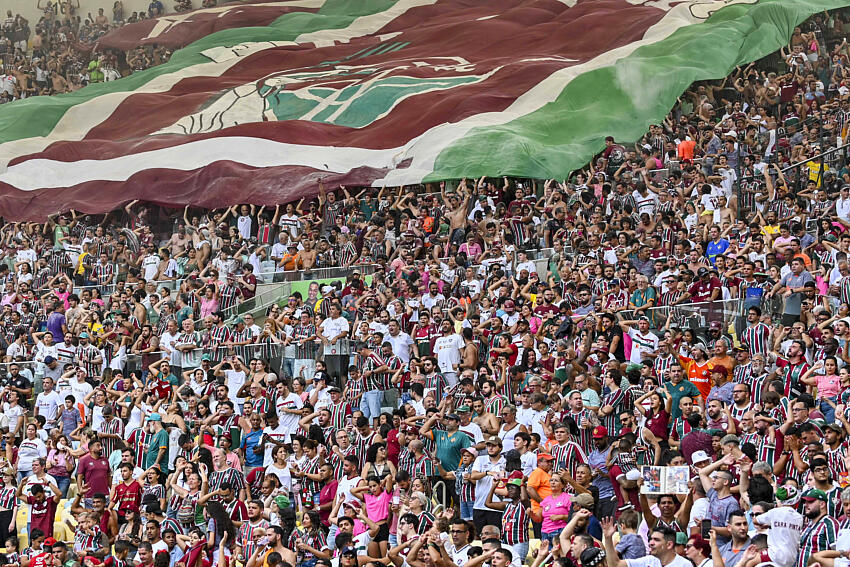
x=377, y=495
x=554, y=510
x=828, y=385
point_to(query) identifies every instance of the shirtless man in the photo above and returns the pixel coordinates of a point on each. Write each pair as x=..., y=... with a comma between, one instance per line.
x=488, y=422
x=306, y=258
x=100, y=19
x=458, y=214
x=179, y=241
x=60, y=85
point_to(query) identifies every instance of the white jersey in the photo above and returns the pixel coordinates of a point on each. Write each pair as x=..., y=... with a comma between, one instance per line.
x=783, y=537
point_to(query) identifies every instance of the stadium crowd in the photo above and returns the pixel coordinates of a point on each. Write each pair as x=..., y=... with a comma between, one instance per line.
x=646, y=364
x=59, y=54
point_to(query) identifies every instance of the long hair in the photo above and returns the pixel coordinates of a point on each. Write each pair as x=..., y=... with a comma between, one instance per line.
x=372, y=452
x=223, y=523
x=205, y=457
x=287, y=522
x=315, y=521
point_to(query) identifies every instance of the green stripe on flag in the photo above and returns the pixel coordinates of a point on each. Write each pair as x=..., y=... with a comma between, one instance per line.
x=621, y=100
x=38, y=116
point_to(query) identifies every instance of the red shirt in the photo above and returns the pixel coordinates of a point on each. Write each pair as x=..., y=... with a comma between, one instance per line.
x=327, y=494
x=41, y=560
x=701, y=291
x=128, y=496
x=96, y=473
x=42, y=514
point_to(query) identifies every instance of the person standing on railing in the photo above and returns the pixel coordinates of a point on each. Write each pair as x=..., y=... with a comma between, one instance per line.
x=147, y=345
x=186, y=353
x=792, y=286
x=88, y=356
x=304, y=335
x=333, y=332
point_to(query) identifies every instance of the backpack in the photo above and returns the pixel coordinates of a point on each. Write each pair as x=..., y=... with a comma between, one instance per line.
x=186, y=512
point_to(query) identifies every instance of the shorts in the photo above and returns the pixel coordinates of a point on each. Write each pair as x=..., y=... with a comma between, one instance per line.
x=383, y=533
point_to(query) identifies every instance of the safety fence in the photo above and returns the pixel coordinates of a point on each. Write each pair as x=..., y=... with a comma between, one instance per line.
x=694, y=316
x=282, y=359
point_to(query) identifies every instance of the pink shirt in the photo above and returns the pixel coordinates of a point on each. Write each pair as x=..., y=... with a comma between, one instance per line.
x=554, y=505
x=208, y=306
x=828, y=386
x=378, y=507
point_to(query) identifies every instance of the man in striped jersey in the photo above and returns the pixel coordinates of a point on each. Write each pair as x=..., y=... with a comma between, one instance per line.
x=756, y=337
x=822, y=529
x=226, y=473
x=566, y=453
x=111, y=430
x=245, y=535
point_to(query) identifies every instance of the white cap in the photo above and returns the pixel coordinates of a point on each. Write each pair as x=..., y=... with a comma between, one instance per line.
x=699, y=456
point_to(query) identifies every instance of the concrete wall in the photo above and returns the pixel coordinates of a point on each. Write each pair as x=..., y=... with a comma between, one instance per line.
x=29, y=9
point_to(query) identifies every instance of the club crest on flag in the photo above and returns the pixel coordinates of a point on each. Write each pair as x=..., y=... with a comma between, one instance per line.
x=345, y=95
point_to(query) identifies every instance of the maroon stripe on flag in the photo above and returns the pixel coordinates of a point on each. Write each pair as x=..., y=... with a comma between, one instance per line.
x=215, y=185
x=523, y=30
x=200, y=24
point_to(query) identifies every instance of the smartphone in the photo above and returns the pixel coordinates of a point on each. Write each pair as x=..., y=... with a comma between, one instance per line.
x=705, y=529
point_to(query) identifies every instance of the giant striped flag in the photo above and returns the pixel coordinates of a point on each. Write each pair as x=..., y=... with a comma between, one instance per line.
x=380, y=92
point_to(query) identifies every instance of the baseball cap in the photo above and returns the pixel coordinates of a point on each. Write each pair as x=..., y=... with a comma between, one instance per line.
x=327, y=289
x=493, y=440
x=353, y=504
x=814, y=494
x=720, y=369
x=585, y=500
x=155, y=417
x=453, y=416
x=600, y=431
x=509, y=304
x=463, y=409
x=517, y=482
x=83, y=335
x=471, y=451
x=206, y=357
x=49, y=542
x=545, y=456
x=643, y=318
x=699, y=457
x=714, y=325
x=49, y=360
x=702, y=271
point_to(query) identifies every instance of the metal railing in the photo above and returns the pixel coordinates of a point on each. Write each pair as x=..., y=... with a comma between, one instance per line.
x=695, y=316
x=317, y=273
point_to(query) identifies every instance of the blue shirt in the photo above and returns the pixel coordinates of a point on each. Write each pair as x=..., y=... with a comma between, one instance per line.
x=250, y=441
x=712, y=249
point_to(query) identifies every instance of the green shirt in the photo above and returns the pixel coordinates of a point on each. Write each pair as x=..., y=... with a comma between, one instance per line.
x=449, y=446
x=159, y=441
x=679, y=391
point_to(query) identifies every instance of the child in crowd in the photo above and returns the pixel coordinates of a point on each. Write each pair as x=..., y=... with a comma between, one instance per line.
x=87, y=535
x=631, y=545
